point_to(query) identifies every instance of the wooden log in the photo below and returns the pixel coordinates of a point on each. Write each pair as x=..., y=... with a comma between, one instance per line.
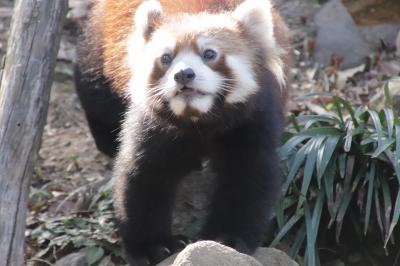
x=24, y=95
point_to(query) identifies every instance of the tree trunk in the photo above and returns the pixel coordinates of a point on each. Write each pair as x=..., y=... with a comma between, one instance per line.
x=24, y=95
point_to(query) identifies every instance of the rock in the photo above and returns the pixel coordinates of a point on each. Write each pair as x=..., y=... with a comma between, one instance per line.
x=385, y=32
x=337, y=34
x=273, y=257
x=74, y=259
x=206, y=253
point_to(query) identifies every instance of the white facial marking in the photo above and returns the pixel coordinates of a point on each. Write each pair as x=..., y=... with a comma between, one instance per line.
x=202, y=104
x=207, y=43
x=148, y=10
x=256, y=16
x=177, y=105
x=243, y=72
x=206, y=80
x=141, y=67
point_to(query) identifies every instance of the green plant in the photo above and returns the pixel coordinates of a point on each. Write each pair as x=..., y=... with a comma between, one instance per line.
x=339, y=165
x=92, y=232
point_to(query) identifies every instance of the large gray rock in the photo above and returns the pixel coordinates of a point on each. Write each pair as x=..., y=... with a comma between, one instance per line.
x=207, y=253
x=398, y=44
x=385, y=32
x=338, y=34
x=273, y=257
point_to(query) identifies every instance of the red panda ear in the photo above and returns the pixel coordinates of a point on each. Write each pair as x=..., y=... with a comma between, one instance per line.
x=147, y=16
x=256, y=17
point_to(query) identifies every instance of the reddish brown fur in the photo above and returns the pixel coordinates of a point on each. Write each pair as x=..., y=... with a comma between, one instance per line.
x=113, y=21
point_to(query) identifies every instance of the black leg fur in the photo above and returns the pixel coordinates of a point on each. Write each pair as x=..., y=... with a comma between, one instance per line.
x=248, y=185
x=103, y=109
x=147, y=174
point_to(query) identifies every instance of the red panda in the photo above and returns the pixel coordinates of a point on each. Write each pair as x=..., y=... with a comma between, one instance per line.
x=194, y=79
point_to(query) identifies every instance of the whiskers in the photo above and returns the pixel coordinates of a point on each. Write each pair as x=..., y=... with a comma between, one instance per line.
x=223, y=84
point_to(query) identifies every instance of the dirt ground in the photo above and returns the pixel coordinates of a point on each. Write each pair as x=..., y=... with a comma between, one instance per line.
x=68, y=159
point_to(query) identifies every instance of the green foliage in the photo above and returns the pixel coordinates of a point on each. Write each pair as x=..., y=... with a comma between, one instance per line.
x=339, y=165
x=92, y=232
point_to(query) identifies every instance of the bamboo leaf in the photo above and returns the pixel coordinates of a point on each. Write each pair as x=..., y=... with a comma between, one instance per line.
x=309, y=168
x=290, y=145
x=395, y=218
x=286, y=228
x=325, y=155
x=329, y=178
x=378, y=209
x=298, y=241
x=387, y=203
x=389, y=115
x=361, y=113
x=371, y=176
x=378, y=126
x=348, y=107
x=342, y=164
x=294, y=168
x=384, y=146
x=294, y=123
x=349, y=136
x=327, y=118
x=344, y=204
x=320, y=131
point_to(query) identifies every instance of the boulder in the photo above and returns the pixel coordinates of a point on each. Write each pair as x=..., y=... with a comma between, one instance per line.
x=273, y=257
x=385, y=32
x=206, y=253
x=337, y=34
x=398, y=44
x=351, y=30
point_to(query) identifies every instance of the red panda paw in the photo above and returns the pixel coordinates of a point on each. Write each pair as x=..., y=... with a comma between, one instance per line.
x=152, y=253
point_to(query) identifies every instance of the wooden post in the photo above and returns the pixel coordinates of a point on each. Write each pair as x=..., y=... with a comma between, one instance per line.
x=24, y=96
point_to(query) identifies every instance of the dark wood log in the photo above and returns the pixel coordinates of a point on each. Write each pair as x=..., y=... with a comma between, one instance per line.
x=24, y=95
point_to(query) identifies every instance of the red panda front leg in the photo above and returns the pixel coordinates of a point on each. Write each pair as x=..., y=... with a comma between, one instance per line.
x=248, y=185
x=148, y=169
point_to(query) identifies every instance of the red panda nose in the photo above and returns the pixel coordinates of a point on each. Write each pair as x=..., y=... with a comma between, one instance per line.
x=184, y=76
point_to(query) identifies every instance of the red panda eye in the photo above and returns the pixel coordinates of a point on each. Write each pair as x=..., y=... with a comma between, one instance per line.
x=209, y=54
x=166, y=59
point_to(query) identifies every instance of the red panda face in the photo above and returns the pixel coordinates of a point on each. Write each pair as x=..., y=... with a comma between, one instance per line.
x=187, y=63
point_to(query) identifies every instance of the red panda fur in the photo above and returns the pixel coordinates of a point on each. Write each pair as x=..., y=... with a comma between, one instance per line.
x=236, y=126
x=112, y=21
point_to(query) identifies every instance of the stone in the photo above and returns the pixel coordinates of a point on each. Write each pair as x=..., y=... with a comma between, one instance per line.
x=338, y=35
x=74, y=259
x=206, y=253
x=385, y=32
x=273, y=257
